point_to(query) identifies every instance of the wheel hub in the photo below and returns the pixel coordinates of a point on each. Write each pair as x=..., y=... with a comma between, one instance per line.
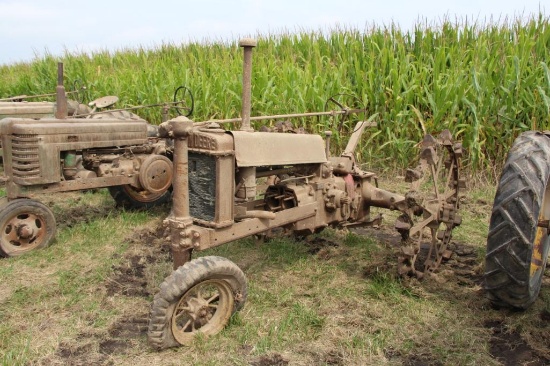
x=198, y=310
x=155, y=174
x=24, y=231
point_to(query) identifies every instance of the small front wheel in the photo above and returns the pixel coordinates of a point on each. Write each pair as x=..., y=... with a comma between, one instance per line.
x=25, y=225
x=198, y=297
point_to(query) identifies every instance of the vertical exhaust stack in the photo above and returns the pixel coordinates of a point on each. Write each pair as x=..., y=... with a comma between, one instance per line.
x=61, y=110
x=247, y=44
x=246, y=176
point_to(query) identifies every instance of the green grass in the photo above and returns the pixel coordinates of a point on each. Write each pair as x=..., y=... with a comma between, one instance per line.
x=342, y=303
x=486, y=82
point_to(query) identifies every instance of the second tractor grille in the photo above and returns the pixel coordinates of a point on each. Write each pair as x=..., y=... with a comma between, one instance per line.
x=25, y=158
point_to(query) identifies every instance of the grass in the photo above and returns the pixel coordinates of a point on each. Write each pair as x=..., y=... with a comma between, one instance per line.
x=486, y=82
x=337, y=302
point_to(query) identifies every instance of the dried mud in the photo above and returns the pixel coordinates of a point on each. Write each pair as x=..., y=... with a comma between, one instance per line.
x=270, y=360
x=126, y=335
x=461, y=271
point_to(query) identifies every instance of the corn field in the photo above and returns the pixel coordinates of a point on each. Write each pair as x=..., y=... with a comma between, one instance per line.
x=486, y=82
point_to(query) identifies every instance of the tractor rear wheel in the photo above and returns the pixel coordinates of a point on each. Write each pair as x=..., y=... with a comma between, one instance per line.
x=197, y=298
x=130, y=198
x=25, y=225
x=155, y=178
x=518, y=241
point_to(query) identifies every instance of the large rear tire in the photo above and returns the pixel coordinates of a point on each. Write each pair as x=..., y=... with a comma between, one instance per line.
x=131, y=198
x=518, y=242
x=155, y=178
x=198, y=297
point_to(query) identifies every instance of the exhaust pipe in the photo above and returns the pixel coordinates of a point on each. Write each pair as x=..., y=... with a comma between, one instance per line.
x=61, y=109
x=247, y=44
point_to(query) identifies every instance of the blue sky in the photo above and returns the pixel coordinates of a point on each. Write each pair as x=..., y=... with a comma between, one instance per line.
x=30, y=28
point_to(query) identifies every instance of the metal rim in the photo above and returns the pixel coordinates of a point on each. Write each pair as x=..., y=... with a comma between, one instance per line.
x=541, y=244
x=22, y=232
x=205, y=308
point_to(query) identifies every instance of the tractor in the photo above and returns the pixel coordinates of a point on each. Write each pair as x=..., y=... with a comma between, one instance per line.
x=91, y=149
x=234, y=183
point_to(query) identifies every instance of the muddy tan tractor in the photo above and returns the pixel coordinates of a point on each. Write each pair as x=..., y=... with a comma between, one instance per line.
x=229, y=185
x=25, y=106
x=112, y=148
x=518, y=242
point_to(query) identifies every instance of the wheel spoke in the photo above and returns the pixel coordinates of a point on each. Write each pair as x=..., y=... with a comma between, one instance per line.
x=186, y=325
x=198, y=294
x=185, y=312
x=215, y=297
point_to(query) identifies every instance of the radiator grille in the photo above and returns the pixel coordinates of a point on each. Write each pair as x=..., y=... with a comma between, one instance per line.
x=25, y=158
x=202, y=186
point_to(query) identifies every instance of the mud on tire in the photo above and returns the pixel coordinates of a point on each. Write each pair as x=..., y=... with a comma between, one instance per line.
x=517, y=248
x=184, y=306
x=130, y=198
x=25, y=225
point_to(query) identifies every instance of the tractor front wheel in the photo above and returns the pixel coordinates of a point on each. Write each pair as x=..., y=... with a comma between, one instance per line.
x=518, y=241
x=25, y=225
x=197, y=298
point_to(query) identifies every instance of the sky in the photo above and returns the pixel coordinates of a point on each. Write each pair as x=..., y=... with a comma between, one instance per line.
x=34, y=28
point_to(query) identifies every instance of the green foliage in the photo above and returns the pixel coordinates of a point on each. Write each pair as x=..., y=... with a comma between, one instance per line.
x=486, y=82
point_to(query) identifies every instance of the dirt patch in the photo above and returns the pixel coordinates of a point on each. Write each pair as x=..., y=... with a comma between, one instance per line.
x=270, y=360
x=134, y=327
x=69, y=353
x=463, y=264
x=509, y=348
x=96, y=349
x=330, y=358
x=460, y=279
x=412, y=359
x=79, y=212
x=129, y=278
x=113, y=346
x=321, y=247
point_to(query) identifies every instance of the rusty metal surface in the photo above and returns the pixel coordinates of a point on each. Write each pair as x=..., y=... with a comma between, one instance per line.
x=232, y=184
x=264, y=148
x=61, y=111
x=431, y=210
x=305, y=190
x=26, y=109
x=247, y=44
